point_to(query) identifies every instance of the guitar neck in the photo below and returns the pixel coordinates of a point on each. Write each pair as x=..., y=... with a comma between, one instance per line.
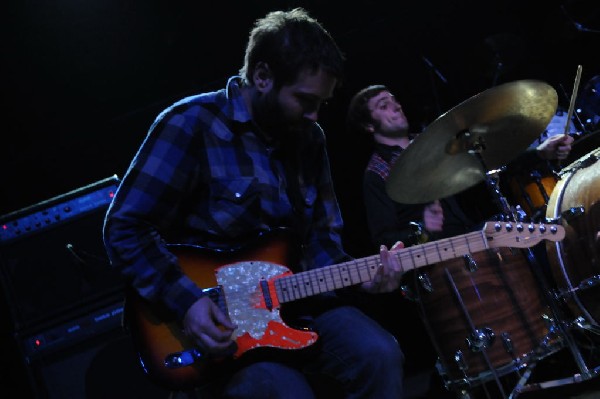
x=317, y=281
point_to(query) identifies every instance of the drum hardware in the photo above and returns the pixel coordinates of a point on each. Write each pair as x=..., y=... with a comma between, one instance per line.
x=459, y=359
x=549, y=322
x=470, y=143
x=537, y=179
x=562, y=328
x=493, y=185
x=476, y=358
x=574, y=261
x=553, y=333
x=462, y=365
x=589, y=282
x=508, y=344
x=520, y=214
x=583, y=285
x=554, y=383
x=419, y=236
x=406, y=291
x=481, y=339
x=582, y=324
x=522, y=384
x=557, y=330
x=584, y=162
x=531, y=191
x=425, y=281
x=470, y=263
x=572, y=213
x=480, y=360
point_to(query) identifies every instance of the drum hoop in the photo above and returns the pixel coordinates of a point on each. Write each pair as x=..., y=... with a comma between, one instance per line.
x=559, y=244
x=580, y=163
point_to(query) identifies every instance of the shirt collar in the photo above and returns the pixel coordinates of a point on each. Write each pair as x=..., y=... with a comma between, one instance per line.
x=239, y=112
x=386, y=151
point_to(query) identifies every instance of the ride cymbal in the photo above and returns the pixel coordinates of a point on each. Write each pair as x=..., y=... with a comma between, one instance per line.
x=481, y=134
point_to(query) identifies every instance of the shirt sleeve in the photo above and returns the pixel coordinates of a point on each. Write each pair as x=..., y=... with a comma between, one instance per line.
x=147, y=203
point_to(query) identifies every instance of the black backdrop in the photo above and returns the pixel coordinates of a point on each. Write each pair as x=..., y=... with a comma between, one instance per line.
x=83, y=81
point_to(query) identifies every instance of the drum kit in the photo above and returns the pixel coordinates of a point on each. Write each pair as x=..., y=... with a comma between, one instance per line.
x=496, y=315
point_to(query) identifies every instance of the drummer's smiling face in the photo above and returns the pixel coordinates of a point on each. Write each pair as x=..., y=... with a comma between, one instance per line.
x=387, y=115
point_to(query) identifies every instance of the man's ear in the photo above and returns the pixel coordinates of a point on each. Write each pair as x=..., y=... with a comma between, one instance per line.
x=369, y=128
x=262, y=77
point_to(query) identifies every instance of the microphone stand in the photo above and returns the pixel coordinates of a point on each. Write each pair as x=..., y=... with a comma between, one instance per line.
x=433, y=71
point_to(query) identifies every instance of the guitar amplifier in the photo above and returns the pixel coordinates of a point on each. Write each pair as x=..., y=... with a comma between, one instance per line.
x=53, y=265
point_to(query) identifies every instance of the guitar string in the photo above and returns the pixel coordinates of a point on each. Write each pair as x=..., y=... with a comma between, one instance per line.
x=313, y=282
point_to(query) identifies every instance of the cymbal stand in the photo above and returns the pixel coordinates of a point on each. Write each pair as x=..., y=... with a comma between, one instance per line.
x=508, y=213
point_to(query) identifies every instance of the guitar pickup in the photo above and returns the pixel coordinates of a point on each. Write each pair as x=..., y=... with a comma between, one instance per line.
x=264, y=287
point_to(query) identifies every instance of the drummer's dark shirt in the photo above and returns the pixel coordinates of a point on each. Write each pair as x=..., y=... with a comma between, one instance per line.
x=389, y=221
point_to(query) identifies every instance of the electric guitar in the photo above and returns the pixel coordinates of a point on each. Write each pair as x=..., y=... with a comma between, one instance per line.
x=251, y=283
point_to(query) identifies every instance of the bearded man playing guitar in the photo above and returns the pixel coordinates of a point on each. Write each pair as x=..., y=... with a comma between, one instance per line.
x=217, y=177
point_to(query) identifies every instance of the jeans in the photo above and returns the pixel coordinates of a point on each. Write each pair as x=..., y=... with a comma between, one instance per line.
x=352, y=348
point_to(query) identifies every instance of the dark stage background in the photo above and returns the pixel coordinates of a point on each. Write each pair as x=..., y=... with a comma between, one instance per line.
x=83, y=81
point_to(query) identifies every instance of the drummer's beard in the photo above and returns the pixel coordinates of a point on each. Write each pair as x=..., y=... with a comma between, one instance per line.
x=398, y=131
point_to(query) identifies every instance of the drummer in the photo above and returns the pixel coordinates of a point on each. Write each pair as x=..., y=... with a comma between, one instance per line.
x=375, y=111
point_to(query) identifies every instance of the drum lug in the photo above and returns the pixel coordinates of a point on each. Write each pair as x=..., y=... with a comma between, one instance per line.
x=481, y=338
x=508, y=344
x=407, y=292
x=459, y=359
x=470, y=263
x=418, y=233
x=425, y=282
x=572, y=213
x=589, y=282
x=551, y=326
x=520, y=214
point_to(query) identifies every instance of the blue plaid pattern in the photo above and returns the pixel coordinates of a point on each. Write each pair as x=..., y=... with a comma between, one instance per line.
x=205, y=175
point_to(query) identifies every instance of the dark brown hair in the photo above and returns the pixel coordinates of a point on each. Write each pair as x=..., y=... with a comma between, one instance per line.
x=359, y=114
x=288, y=42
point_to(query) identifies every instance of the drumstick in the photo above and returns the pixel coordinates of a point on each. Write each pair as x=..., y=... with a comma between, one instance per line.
x=573, y=97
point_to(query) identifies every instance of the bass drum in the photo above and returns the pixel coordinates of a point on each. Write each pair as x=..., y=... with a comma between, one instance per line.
x=575, y=261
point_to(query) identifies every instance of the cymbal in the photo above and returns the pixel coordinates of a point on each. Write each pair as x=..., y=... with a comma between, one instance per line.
x=481, y=134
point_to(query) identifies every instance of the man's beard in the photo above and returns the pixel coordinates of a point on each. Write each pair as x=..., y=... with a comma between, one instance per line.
x=271, y=117
x=395, y=133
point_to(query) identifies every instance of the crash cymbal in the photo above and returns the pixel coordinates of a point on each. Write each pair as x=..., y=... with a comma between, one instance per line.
x=481, y=134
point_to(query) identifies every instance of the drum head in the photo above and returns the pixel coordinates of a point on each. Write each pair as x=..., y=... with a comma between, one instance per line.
x=575, y=261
